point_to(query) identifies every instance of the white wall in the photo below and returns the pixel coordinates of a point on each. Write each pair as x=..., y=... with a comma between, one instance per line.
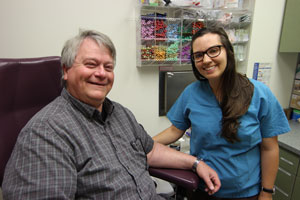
x=265, y=36
x=34, y=28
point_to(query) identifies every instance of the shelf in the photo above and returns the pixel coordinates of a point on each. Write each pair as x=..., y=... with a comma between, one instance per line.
x=164, y=33
x=161, y=39
x=195, y=8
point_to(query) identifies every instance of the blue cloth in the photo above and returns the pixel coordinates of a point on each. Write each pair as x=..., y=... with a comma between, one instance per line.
x=238, y=164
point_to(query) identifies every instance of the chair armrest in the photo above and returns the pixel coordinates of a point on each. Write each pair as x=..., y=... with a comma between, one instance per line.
x=184, y=178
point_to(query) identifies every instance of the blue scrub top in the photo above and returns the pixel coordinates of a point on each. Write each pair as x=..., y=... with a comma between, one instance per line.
x=238, y=164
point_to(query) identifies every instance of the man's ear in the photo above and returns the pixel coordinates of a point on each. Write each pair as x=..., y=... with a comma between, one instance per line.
x=65, y=70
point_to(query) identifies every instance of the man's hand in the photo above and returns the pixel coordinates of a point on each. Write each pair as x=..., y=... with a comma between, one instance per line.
x=210, y=177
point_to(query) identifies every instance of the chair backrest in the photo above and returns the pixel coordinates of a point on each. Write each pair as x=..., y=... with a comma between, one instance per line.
x=26, y=85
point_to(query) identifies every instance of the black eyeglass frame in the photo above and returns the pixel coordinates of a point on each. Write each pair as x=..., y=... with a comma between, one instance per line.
x=206, y=52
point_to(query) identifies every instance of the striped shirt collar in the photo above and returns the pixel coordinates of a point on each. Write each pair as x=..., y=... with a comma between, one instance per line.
x=87, y=110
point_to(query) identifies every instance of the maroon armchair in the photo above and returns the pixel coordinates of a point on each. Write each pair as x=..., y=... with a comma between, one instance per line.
x=183, y=178
x=26, y=85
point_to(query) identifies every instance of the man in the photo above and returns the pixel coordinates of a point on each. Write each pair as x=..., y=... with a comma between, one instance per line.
x=85, y=146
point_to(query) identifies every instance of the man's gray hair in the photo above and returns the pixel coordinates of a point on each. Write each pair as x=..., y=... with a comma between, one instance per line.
x=70, y=49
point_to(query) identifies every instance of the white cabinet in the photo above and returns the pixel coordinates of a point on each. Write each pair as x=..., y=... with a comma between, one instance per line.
x=164, y=32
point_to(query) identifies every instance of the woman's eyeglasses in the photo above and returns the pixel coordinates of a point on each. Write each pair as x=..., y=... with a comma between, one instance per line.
x=212, y=52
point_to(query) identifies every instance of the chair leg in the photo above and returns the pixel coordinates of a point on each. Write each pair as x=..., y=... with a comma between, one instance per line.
x=180, y=193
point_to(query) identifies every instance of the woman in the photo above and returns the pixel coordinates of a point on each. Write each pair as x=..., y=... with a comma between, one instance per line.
x=234, y=121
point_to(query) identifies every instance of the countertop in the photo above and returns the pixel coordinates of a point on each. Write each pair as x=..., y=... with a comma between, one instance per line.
x=291, y=140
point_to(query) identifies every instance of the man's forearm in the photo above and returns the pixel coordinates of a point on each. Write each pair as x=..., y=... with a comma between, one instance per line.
x=165, y=157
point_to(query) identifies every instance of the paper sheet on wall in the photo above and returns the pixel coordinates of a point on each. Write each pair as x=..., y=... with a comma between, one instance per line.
x=262, y=72
x=297, y=72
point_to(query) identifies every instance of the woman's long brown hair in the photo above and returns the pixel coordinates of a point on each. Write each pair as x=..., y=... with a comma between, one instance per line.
x=236, y=89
